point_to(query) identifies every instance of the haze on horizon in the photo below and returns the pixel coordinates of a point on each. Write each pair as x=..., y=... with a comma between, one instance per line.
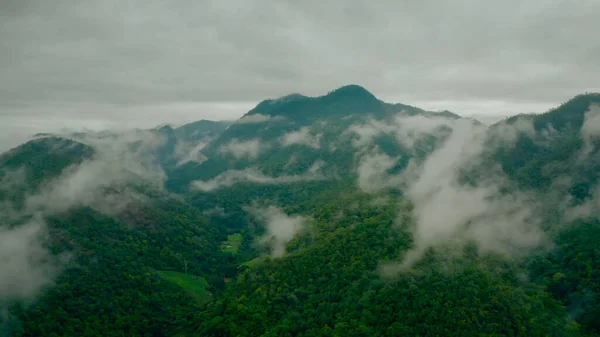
x=71, y=64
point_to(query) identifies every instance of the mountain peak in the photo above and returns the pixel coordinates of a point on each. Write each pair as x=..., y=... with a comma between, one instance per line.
x=351, y=89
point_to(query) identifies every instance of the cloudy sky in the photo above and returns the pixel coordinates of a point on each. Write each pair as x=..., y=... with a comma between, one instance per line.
x=122, y=63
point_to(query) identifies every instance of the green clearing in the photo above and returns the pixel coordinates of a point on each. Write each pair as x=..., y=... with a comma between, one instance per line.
x=233, y=243
x=253, y=262
x=196, y=286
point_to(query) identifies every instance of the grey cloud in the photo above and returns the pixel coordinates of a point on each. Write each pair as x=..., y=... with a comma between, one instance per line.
x=504, y=133
x=27, y=267
x=241, y=149
x=257, y=118
x=406, y=129
x=302, y=137
x=232, y=177
x=590, y=130
x=137, y=53
x=189, y=152
x=372, y=176
x=280, y=227
x=448, y=213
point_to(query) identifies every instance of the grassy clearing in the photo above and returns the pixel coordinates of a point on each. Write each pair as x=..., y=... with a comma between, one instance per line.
x=196, y=286
x=253, y=262
x=233, y=243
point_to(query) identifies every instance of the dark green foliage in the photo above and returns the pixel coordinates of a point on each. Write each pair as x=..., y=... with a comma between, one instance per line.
x=43, y=159
x=571, y=272
x=140, y=273
x=536, y=162
x=331, y=288
x=110, y=287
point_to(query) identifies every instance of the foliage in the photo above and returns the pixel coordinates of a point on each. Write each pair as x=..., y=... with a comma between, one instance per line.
x=110, y=289
x=233, y=243
x=332, y=288
x=159, y=268
x=195, y=285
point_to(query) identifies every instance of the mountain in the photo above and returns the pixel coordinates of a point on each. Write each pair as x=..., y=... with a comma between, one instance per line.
x=552, y=145
x=88, y=233
x=287, y=136
x=337, y=215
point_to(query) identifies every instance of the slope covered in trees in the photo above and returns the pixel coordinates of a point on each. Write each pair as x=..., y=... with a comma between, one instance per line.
x=338, y=215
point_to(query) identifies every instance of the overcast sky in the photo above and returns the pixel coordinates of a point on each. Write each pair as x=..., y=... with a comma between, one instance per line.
x=73, y=63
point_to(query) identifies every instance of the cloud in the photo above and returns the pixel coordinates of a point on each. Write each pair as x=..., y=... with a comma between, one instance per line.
x=27, y=266
x=591, y=123
x=188, y=152
x=122, y=53
x=449, y=213
x=257, y=118
x=367, y=132
x=215, y=212
x=232, y=177
x=302, y=137
x=280, y=227
x=406, y=129
x=505, y=133
x=241, y=149
x=409, y=129
x=590, y=130
x=372, y=172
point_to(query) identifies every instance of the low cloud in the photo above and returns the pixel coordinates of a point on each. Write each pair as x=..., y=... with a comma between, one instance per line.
x=257, y=118
x=215, y=212
x=449, y=213
x=302, y=137
x=406, y=129
x=367, y=132
x=243, y=149
x=27, y=266
x=252, y=175
x=590, y=130
x=504, y=133
x=280, y=227
x=591, y=123
x=187, y=152
x=590, y=133
x=372, y=172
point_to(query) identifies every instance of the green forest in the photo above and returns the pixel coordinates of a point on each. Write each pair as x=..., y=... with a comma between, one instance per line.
x=178, y=261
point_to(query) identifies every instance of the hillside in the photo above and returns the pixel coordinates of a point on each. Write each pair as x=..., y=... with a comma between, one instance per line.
x=336, y=215
x=87, y=239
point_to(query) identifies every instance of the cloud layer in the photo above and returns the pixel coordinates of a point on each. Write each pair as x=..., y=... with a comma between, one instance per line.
x=253, y=175
x=303, y=136
x=136, y=61
x=243, y=149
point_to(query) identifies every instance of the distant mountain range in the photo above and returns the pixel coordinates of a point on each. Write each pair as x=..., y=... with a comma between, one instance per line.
x=337, y=215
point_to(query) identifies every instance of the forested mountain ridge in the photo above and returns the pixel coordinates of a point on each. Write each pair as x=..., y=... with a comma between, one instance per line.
x=290, y=135
x=338, y=215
